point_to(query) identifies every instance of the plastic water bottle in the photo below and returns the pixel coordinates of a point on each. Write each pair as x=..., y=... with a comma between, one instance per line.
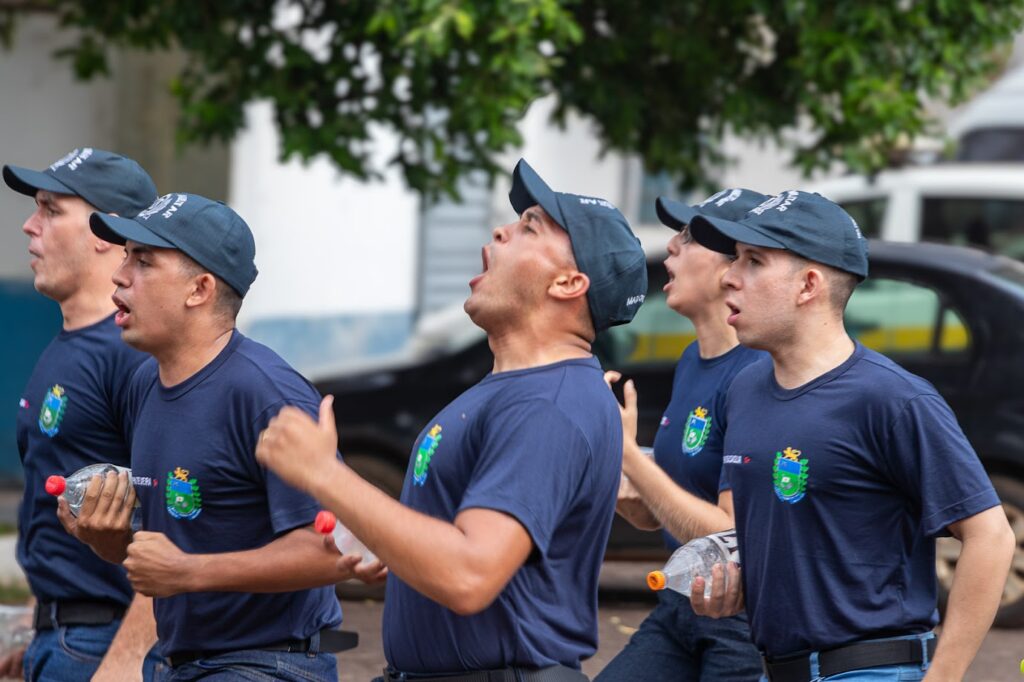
x=15, y=628
x=326, y=522
x=73, y=486
x=696, y=558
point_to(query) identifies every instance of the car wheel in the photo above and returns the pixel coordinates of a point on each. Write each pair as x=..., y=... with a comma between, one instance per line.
x=386, y=475
x=947, y=551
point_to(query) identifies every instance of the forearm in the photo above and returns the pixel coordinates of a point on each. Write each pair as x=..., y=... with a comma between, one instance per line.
x=683, y=515
x=134, y=639
x=973, y=600
x=637, y=513
x=297, y=560
x=432, y=556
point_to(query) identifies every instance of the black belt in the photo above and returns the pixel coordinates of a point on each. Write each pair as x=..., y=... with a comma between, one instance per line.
x=851, y=657
x=556, y=673
x=51, y=614
x=331, y=641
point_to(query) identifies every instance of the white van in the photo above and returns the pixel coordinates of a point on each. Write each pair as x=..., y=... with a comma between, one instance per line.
x=972, y=204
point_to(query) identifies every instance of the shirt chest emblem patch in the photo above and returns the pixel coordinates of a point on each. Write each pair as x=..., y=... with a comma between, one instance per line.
x=695, y=435
x=55, y=403
x=789, y=475
x=183, y=498
x=424, y=453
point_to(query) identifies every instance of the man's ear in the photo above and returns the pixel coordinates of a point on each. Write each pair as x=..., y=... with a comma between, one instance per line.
x=813, y=286
x=204, y=290
x=569, y=285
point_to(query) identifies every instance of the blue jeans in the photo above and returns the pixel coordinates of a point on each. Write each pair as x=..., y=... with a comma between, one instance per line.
x=255, y=664
x=73, y=652
x=674, y=643
x=888, y=673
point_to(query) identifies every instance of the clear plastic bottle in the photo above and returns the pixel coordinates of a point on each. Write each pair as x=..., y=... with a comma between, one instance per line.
x=326, y=522
x=15, y=628
x=696, y=558
x=73, y=486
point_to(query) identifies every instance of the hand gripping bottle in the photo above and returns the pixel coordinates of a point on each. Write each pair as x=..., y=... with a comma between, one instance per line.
x=347, y=543
x=696, y=558
x=73, y=486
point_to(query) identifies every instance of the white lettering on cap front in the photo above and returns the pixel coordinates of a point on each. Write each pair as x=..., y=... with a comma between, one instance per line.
x=635, y=300
x=595, y=202
x=73, y=160
x=780, y=202
x=160, y=204
x=178, y=203
x=722, y=198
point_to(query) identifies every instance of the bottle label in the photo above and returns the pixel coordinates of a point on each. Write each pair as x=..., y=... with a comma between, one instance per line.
x=728, y=543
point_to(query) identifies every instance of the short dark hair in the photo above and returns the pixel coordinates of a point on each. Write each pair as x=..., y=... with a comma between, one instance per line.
x=229, y=301
x=840, y=283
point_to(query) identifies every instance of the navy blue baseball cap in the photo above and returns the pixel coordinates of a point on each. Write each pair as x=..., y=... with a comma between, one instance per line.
x=805, y=223
x=207, y=231
x=110, y=182
x=731, y=204
x=605, y=248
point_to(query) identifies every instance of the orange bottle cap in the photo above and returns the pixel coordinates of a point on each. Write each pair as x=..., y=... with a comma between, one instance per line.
x=656, y=580
x=325, y=522
x=55, y=485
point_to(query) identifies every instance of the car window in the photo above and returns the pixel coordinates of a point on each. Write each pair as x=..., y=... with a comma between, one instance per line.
x=902, y=318
x=657, y=335
x=996, y=225
x=868, y=213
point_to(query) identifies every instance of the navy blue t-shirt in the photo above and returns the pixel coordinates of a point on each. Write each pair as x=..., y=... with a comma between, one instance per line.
x=688, y=444
x=70, y=416
x=198, y=482
x=840, y=487
x=543, y=445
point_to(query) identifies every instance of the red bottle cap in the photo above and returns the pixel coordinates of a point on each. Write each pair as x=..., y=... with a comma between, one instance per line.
x=324, y=522
x=55, y=485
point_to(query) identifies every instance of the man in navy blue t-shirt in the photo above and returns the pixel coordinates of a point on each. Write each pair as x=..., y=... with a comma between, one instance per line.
x=70, y=416
x=844, y=468
x=495, y=548
x=677, y=491
x=227, y=549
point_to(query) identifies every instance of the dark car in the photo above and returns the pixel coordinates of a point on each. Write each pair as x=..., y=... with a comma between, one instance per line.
x=951, y=315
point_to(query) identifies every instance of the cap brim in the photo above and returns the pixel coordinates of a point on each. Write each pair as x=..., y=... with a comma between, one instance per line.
x=722, y=235
x=528, y=189
x=117, y=230
x=27, y=181
x=674, y=214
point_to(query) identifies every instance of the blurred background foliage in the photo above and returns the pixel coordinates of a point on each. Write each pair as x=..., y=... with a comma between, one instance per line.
x=453, y=78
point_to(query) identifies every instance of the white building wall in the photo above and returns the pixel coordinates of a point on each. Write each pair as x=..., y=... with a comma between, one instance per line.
x=45, y=114
x=337, y=256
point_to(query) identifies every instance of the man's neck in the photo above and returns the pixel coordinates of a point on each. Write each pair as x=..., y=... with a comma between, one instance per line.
x=806, y=357
x=87, y=306
x=715, y=336
x=527, y=347
x=192, y=351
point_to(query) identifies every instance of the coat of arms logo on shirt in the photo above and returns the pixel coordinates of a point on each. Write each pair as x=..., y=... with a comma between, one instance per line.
x=52, y=412
x=698, y=426
x=183, y=499
x=789, y=475
x=424, y=453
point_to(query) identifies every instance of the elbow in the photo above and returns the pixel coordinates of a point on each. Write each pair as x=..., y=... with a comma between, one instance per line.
x=469, y=595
